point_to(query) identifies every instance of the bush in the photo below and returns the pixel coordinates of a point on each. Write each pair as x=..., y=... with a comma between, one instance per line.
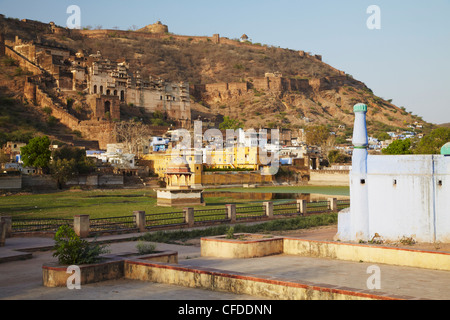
x=145, y=247
x=71, y=250
x=398, y=147
x=230, y=233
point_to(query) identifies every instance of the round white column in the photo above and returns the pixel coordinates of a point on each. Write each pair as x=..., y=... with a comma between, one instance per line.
x=359, y=209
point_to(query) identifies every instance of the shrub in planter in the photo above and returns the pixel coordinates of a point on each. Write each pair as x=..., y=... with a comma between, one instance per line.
x=145, y=248
x=70, y=249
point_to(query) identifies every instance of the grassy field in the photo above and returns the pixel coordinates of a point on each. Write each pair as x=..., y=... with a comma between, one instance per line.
x=122, y=202
x=95, y=203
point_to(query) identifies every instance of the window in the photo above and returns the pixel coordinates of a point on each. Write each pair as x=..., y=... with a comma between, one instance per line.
x=95, y=88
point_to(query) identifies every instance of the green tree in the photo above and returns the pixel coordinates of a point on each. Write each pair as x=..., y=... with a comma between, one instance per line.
x=382, y=136
x=68, y=163
x=229, y=123
x=398, y=147
x=62, y=170
x=433, y=142
x=81, y=163
x=37, y=153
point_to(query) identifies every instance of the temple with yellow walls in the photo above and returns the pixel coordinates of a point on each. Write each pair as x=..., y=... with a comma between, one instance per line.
x=231, y=166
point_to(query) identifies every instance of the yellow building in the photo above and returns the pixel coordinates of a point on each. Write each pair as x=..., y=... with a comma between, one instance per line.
x=240, y=158
x=233, y=158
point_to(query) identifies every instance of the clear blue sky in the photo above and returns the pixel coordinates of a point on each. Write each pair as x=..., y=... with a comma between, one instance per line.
x=407, y=60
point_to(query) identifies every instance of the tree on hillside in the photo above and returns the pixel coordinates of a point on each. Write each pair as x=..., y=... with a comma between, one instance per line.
x=383, y=136
x=316, y=135
x=433, y=142
x=37, y=153
x=230, y=123
x=398, y=147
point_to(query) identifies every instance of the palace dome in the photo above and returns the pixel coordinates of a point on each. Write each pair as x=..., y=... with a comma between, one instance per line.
x=178, y=165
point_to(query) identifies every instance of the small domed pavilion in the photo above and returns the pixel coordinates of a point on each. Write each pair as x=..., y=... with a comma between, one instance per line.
x=178, y=191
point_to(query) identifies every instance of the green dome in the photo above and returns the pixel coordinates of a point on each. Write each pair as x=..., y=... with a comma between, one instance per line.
x=446, y=149
x=360, y=107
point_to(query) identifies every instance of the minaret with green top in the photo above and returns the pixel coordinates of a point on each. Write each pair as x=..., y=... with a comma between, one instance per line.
x=359, y=229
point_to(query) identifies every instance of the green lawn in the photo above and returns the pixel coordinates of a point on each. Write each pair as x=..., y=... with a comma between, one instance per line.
x=95, y=203
x=122, y=202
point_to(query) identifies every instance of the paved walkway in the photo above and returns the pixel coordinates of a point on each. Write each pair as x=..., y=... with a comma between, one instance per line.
x=22, y=279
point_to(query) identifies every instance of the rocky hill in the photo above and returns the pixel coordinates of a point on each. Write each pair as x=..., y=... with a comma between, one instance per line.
x=260, y=85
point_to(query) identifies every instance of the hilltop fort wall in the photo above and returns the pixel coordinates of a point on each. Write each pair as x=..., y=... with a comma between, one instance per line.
x=269, y=83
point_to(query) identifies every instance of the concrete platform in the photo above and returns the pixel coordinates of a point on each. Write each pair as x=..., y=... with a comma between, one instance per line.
x=22, y=279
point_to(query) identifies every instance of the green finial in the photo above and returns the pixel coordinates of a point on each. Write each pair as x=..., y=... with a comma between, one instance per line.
x=360, y=107
x=446, y=149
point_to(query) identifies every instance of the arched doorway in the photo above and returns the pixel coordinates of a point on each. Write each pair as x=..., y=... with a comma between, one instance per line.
x=107, y=107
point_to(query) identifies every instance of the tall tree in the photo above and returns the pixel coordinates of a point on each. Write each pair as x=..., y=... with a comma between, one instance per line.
x=320, y=136
x=37, y=153
x=68, y=163
x=133, y=134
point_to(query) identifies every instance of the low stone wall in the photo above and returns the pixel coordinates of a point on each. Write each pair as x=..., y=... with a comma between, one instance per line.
x=38, y=182
x=10, y=182
x=234, y=178
x=255, y=246
x=110, y=180
x=227, y=248
x=240, y=283
x=329, y=178
x=368, y=253
x=97, y=181
x=54, y=275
